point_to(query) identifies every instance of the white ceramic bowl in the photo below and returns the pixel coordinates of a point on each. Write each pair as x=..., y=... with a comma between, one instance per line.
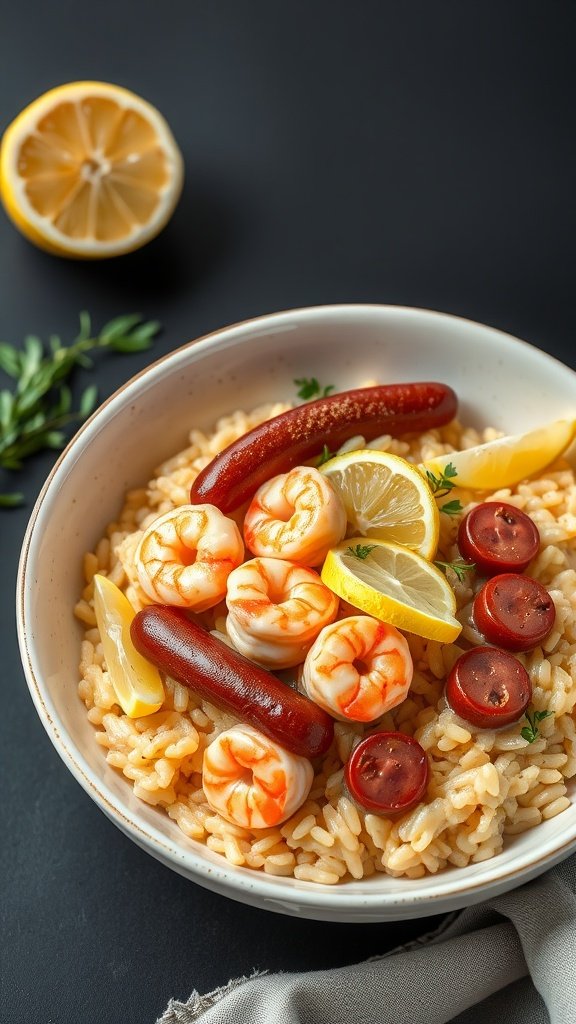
x=499, y=380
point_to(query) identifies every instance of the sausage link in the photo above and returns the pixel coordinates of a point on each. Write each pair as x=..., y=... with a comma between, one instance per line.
x=195, y=658
x=293, y=437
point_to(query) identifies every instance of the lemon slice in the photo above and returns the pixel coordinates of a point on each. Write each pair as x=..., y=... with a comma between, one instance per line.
x=393, y=584
x=90, y=170
x=506, y=461
x=136, y=682
x=386, y=497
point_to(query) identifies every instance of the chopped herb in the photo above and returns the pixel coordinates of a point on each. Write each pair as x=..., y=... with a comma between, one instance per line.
x=308, y=387
x=34, y=413
x=460, y=568
x=531, y=731
x=442, y=485
x=451, y=508
x=326, y=455
x=362, y=551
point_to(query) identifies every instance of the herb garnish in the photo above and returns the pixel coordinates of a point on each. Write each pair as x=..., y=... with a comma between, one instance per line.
x=362, y=551
x=34, y=413
x=531, y=731
x=460, y=568
x=442, y=485
x=11, y=500
x=451, y=508
x=308, y=387
x=326, y=455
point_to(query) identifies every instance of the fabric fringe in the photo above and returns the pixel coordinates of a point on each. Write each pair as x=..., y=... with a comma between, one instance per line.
x=187, y=1013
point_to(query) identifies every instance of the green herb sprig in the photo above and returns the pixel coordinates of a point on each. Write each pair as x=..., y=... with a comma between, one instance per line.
x=459, y=568
x=531, y=731
x=34, y=414
x=11, y=500
x=442, y=485
x=308, y=388
x=326, y=455
x=362, y=551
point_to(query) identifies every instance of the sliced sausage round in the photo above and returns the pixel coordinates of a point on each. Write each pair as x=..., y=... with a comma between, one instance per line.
x=498, y=537
x=514, y=611
x=488, y=688
x=387, y=772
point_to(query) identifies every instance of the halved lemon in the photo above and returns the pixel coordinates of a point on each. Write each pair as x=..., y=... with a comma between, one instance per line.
x=508, y=460
x=385, y=497
x=137, y=683
x=393, y=584
x=90, y=170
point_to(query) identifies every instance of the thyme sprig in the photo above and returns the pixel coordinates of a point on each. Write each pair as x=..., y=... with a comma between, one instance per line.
x=531, y=731
x=35, y=413
x=326, y=455
x=452, y=508
x=442, y=485
x=308, y=388
x=11, y=500
x=459, y=568
x=362, y=551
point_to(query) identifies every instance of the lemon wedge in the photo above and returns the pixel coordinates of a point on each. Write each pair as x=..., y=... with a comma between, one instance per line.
x=506, y=461
x=393, y=584
x=90, y=170
x=386, y=497
x=136, y=682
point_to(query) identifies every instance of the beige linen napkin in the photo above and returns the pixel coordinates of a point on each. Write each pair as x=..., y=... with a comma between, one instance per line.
x=511, y=959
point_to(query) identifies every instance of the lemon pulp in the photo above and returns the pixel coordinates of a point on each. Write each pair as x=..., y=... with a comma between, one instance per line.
x=90, y=169
x=385, y=497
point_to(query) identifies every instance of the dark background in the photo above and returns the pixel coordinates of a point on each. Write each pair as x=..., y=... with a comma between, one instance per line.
x=414, y=153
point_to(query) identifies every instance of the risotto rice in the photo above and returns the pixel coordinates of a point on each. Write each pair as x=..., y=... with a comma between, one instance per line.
x=484, y=784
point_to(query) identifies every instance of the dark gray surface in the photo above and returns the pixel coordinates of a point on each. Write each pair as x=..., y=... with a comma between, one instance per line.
x=410, y=153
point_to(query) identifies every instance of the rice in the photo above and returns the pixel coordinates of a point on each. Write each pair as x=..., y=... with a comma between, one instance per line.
x=484, y=787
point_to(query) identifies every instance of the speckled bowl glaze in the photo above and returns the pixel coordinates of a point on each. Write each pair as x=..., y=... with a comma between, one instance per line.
x=499, y=380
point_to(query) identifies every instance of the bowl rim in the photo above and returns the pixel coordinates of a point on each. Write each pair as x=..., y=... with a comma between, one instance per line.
x=242, y=883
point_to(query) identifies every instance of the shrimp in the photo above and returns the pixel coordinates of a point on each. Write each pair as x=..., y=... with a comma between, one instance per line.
x=185, y=556
x=251, y=780
x=297, y=515
x=276, y=610
x=358, y=668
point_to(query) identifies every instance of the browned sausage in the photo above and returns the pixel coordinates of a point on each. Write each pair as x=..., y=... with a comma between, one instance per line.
x=295, y=436
x=188, y=653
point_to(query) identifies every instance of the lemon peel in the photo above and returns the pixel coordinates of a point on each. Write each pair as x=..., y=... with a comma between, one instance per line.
x=507, y=460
